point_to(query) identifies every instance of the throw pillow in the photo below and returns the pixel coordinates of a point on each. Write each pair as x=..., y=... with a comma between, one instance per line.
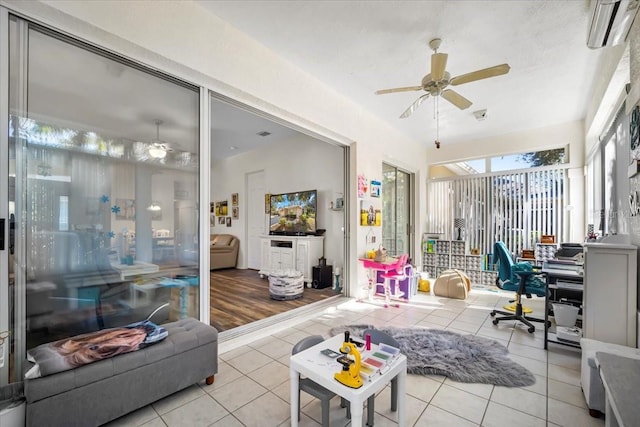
x=70, y=353
x=223, y=239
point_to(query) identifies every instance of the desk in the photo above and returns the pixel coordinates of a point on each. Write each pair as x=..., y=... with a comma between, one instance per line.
x=373, y=268
x=552, y=275
x=621, y=379
x=321, y=369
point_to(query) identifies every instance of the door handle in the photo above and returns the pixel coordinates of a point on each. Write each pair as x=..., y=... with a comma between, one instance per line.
x=2, y=225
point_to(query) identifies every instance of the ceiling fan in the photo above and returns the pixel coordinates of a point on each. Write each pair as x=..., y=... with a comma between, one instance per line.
x=436, y=82
x=158, y=148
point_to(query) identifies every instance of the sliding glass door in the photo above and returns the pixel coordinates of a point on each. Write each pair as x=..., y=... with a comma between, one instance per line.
x=397, y=222
x=103, y=166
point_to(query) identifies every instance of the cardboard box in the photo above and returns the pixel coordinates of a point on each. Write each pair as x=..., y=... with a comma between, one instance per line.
x=528, y=253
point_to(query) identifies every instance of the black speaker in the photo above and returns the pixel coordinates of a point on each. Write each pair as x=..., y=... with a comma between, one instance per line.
x=322, y=277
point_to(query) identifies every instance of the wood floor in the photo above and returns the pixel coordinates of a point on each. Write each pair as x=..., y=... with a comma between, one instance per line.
x=239, y=297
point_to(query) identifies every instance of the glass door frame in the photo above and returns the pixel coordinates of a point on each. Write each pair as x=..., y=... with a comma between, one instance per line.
x=13, y=309
x=5, y=322
x=410, y=214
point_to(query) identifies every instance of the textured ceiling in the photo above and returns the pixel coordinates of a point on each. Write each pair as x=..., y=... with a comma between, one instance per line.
x=358, y=47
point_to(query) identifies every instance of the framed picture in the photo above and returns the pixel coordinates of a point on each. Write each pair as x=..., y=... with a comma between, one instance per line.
x=234, y=199
x=228, y=221
x=127, y=209
x=212, y=208
x=267, y=203
x=376, y=187
x=221, y=208
x=234, y=212
x=371, y=212
x=221, y=220
x=212, y=219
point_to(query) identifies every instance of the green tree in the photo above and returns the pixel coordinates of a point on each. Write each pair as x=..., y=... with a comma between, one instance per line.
x=544, y=158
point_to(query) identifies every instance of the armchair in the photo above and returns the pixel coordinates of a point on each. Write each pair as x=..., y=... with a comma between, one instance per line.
x=521, y=278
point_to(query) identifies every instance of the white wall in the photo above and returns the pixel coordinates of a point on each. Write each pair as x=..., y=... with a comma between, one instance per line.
x=299, y=163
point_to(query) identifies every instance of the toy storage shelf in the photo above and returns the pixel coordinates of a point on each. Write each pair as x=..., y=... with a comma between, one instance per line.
x=441, y=255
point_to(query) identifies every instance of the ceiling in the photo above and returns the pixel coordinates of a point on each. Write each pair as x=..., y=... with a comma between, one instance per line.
x=358, y=47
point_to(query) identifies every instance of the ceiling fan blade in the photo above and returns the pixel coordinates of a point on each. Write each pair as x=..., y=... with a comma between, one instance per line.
x=409, y=111
x=497, y=70
x=438, y=65
x=456, y=99
x=398, y=89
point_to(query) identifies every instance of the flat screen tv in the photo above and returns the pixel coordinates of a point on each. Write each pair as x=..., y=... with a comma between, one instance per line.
x=293, y=213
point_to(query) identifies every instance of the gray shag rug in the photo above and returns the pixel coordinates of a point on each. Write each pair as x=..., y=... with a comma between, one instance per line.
x=463, y=358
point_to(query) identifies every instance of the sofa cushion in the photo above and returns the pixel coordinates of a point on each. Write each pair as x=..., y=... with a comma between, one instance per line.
x=222, y=239
x=183, y=335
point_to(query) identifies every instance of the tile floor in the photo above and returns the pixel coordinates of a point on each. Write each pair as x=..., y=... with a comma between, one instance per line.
x=252, y=386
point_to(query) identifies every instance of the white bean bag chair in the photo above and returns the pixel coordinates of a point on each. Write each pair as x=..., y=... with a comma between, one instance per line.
x=452, y=284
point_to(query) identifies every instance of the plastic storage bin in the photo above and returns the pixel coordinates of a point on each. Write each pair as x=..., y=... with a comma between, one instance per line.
x=565, y=314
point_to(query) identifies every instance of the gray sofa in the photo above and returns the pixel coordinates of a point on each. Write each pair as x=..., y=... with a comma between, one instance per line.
x=102, y=391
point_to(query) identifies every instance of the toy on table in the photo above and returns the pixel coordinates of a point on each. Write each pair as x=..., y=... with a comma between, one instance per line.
x=350, y=373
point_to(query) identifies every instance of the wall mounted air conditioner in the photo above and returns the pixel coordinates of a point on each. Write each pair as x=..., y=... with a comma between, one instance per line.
x=610, y=22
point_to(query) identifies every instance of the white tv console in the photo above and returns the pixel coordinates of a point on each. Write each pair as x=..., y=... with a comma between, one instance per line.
x=301, y=253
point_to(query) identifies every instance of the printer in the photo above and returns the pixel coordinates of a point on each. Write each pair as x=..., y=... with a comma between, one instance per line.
x=569, y=251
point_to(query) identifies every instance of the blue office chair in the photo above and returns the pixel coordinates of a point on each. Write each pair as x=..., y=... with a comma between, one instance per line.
x=521, y=278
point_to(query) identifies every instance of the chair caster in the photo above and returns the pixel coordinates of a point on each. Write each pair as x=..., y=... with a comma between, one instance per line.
x=492, y=314
x=531, y=329
x=495, y=321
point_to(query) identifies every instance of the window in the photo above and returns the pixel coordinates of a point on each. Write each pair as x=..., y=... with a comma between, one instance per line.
x=509, y=162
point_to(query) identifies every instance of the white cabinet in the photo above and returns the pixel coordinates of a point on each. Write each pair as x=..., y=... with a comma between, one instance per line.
x=609, y=302
x=291, y=252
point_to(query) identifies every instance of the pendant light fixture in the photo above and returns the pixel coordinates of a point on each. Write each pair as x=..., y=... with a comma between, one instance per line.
x=157, y=149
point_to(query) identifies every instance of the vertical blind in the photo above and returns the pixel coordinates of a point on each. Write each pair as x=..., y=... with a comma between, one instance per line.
x=517, y=207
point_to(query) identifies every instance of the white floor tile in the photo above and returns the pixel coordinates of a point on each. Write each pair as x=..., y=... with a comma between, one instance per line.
x=238, y=393
x=135, y=418
x=568, y=415
x=422, y=387
x=434, y=416
x=567, y=393
x=249, y=361
x=461, y=403
x=228, y=421
x=267, y=410
x=270, y=375
x=226, y=374
x=565, y=375
x=481, y=390
x=498, y=415
x=521, y=400
x=414, y=408
x=274, y=347
x=178, y=399
x=198, y=413
x=156, y=422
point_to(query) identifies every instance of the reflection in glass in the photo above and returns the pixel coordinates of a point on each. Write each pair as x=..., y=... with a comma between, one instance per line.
x=95, y=256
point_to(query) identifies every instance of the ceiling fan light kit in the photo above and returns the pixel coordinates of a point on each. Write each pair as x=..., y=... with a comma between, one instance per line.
x=436, y=82
x=158, y=149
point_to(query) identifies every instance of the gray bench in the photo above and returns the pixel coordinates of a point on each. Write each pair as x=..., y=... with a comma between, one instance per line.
x=102, y=391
